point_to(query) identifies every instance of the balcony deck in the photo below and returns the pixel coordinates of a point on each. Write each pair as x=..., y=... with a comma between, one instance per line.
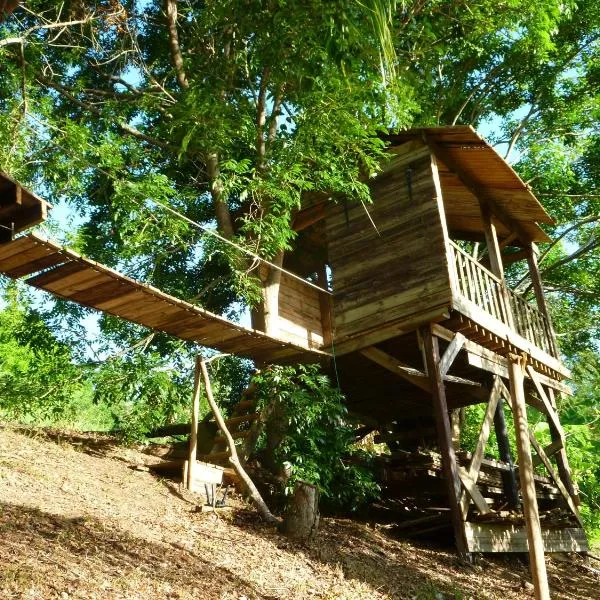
x=485, y=299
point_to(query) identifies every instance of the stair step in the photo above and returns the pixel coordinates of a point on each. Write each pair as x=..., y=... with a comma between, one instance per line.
x=236, y=435
x=244, y=405
x=242, y=419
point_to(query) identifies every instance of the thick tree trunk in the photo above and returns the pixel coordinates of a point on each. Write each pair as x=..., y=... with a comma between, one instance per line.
x=271, y=282
x=301, y=519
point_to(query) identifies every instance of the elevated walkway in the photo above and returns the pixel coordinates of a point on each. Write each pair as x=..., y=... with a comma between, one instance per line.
x=64, y=273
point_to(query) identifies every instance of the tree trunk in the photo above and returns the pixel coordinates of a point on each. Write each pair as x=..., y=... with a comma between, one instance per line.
x=301, y=519
x=271, y=281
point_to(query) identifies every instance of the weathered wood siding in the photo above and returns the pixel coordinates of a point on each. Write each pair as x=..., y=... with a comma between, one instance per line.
x=299, y=313
x=384, y=276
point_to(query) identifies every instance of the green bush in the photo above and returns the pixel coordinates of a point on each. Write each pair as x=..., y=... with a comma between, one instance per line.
x=38, y=377
x=316, y=437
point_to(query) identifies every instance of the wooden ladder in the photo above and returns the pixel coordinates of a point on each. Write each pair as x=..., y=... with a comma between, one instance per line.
x=243, y=424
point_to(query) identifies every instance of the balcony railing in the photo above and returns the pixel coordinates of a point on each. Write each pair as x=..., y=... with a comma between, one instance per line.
x=481, y=287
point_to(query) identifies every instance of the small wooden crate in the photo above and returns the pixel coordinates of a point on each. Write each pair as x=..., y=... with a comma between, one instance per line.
x=203, y=473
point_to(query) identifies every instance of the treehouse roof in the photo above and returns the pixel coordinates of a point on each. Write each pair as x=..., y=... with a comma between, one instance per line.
x=471, y=171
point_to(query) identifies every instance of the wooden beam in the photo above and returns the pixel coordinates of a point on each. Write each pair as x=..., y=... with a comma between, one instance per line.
x=309, y=216
x=451, y=353
x=562, y=460
x=513, y=257
x=549, y=450
x=193, y=444
x=491, y=537
x=557, y=480
x=556, y=432
x=473, y=491
x=395, y=366
x=538, y=289
x=484, y=434
x=491, y=241
x=485, y=359
x=411, y=374
x=547, y=407
x=442, y=419
x=325, y=308
x=508, y=240
x=537, y=563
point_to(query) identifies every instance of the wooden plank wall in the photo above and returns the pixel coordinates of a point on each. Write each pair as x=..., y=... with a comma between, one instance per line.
x=381, y=277
x=299, y=313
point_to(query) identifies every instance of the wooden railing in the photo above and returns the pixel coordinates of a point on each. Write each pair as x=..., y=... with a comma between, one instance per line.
x=480, y=286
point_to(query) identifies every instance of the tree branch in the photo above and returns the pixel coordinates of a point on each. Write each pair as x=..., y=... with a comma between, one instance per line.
x=125, y=127
x=261, y=118
x=176, y=57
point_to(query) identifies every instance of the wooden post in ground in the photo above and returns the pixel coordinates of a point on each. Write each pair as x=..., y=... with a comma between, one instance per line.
x=530, y=508
x=193, y=444
x=562, y=462
x=509, y=478
x=444, y=429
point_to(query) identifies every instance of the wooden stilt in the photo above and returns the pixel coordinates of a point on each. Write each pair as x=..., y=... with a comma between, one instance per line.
x=509, y=478
x=444, y=429
x=562, y=462
x=530, y=507
x=191, y=462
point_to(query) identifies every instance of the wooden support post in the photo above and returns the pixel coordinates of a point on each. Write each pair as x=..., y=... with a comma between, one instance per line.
x=444, y=429
x=325, y=307
x=538, y=289
x=562, y=462
x=530, y=507
x=536, y=280
x=454, y=347
x=509, y=478
x=193, y=445
x=491, y=241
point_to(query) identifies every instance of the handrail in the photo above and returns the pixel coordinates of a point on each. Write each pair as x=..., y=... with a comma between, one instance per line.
x=474, y=260
x=481, y=287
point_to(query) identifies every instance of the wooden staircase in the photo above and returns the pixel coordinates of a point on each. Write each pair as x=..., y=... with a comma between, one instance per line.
x=243, y=424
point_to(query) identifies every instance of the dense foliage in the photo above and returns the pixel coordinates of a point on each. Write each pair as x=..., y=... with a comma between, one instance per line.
x=38, y=379
x=315, y=438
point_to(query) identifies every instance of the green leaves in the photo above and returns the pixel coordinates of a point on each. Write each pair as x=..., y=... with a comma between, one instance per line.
x=38, y=377
x=316, y=435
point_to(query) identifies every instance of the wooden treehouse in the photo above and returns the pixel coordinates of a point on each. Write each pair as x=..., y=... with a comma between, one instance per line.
x=413, y=325
x=419, y=328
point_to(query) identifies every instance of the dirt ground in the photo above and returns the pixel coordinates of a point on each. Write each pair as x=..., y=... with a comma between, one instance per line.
x=76, y=521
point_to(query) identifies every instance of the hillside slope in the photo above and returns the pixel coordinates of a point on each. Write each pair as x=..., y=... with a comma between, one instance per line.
x=77, y=522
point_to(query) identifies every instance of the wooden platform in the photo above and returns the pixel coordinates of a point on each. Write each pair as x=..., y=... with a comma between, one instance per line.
x=67, y=275
x=502, y=538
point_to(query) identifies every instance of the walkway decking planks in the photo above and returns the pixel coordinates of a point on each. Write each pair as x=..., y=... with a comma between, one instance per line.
x=64, y=273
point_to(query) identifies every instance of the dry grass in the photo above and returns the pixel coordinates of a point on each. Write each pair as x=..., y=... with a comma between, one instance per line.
x=77, y=522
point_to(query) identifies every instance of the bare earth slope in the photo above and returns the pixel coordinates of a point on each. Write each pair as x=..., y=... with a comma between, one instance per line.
x=77, y=522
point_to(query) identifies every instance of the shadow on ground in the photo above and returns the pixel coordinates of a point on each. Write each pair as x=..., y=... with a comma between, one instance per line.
x=422, y=571
x=43, y=555
x=92, y=443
